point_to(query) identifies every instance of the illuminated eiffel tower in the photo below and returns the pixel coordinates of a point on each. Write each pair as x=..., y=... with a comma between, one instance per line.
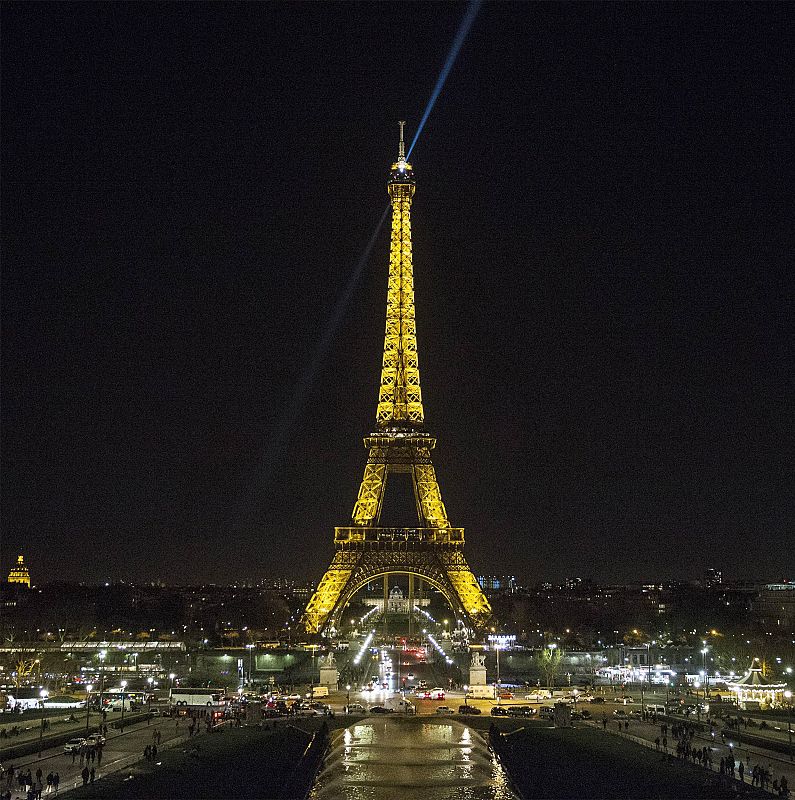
x=432, y=551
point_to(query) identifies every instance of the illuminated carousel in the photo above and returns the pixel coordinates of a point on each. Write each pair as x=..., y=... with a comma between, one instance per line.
x=753, y=690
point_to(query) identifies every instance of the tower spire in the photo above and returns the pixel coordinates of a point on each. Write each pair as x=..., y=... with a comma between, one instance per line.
x=400, y=397
x=401, y=146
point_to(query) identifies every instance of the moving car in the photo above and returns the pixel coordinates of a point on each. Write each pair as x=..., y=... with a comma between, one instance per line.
x=382, y=710
x=95, y=739
x=596, y=700
x=354, y=708
x=73, y=745
x=505, y=695
x=444, y=710
x=468, y=709
x=437, y=693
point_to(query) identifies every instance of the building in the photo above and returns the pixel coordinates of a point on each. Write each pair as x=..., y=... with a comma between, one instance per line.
x=497, y=583
x=712, y=578
x=775, y=606
x=19, y=573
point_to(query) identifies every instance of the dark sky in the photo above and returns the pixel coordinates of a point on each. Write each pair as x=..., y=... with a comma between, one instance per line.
x=603, y=250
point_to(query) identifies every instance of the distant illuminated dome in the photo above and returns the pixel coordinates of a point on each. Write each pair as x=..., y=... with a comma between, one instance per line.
x=19, y=573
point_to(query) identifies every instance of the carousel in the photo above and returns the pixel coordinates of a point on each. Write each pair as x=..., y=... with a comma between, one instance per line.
x=753, y=690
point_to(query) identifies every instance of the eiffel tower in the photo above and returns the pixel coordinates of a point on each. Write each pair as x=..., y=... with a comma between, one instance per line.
x=433, y=550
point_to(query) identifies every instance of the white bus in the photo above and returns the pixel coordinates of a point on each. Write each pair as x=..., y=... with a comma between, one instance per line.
x=184, y=700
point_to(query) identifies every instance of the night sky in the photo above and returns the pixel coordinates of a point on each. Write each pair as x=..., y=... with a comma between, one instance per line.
x=603, y=250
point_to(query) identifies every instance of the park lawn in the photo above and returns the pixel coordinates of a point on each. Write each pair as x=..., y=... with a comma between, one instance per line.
x=584, y=762
x=247, y=762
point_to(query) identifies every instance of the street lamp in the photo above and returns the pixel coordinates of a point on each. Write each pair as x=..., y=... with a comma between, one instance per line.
x=348, y=698
x=89, y=687
x=102, y=655
x=788, y=696
x=123, y=687
x=250, y=648
x=43, y=694
x=706, y=676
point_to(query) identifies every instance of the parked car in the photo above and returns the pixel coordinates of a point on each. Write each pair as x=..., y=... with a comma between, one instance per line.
x=546, y=712
x=309, y=712
x=73, y=745
x=465, y=709
x=500, y=711
x=444, y=710
x=382, y=710
x=521, y=711
x=620, y=714
x=584, y=714
x=596, y=700
x=354, y=708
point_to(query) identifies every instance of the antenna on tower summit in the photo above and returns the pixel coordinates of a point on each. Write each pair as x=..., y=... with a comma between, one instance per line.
x=402, y=147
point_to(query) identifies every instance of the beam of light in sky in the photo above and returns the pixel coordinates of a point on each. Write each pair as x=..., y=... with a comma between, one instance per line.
x=293, y=411
x=460, y=38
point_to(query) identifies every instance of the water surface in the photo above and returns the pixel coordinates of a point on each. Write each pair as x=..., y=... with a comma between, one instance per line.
x=385, y=758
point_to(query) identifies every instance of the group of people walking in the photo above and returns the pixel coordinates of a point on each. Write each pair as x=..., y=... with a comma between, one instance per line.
x=31, y=785
x=684, y=732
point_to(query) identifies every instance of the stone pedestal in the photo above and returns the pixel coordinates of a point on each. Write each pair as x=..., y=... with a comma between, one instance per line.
x=329, y=677
x=477, y=676
x=477, y=670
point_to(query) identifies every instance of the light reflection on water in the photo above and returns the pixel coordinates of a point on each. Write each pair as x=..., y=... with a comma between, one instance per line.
x=380, y=759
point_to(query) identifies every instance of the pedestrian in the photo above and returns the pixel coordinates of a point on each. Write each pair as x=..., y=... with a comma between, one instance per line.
x=147, y=751
x=154, y=752
x=665, y=743
x=84, y=775
x=93, y=754
x=92, y=775
x=604, y=723
x=38, y=775
x=99, y=756
x=56, y=779
x=657, y=744
x=742, y=772
x=49, y=782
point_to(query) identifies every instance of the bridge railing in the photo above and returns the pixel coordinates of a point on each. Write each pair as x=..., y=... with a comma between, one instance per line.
x=408, y=536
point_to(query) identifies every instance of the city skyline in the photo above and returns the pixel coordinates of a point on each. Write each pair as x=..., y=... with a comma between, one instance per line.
x=600, y=238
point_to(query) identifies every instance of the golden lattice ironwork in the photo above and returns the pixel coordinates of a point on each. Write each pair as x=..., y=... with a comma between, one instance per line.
x=433, y=550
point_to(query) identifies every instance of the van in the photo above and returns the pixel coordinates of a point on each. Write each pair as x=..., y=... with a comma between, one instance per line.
x=318, y=691
x=481, y=692
x=655, y=709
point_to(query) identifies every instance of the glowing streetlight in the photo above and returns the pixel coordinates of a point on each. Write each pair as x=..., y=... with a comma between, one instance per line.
x=123, y=688
x=89, y=687
x=43, y=695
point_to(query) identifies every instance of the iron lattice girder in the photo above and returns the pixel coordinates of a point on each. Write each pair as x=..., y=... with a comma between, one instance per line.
x=400, y=396
x=433, y=550
x=445, y=568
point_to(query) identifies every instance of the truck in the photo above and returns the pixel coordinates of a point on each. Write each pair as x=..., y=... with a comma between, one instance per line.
x=481, y=692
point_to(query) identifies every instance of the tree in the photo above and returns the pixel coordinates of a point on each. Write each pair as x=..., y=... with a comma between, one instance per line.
x=549, y=662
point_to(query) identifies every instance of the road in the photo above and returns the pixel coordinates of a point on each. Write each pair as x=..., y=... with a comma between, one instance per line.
x=121, y=749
